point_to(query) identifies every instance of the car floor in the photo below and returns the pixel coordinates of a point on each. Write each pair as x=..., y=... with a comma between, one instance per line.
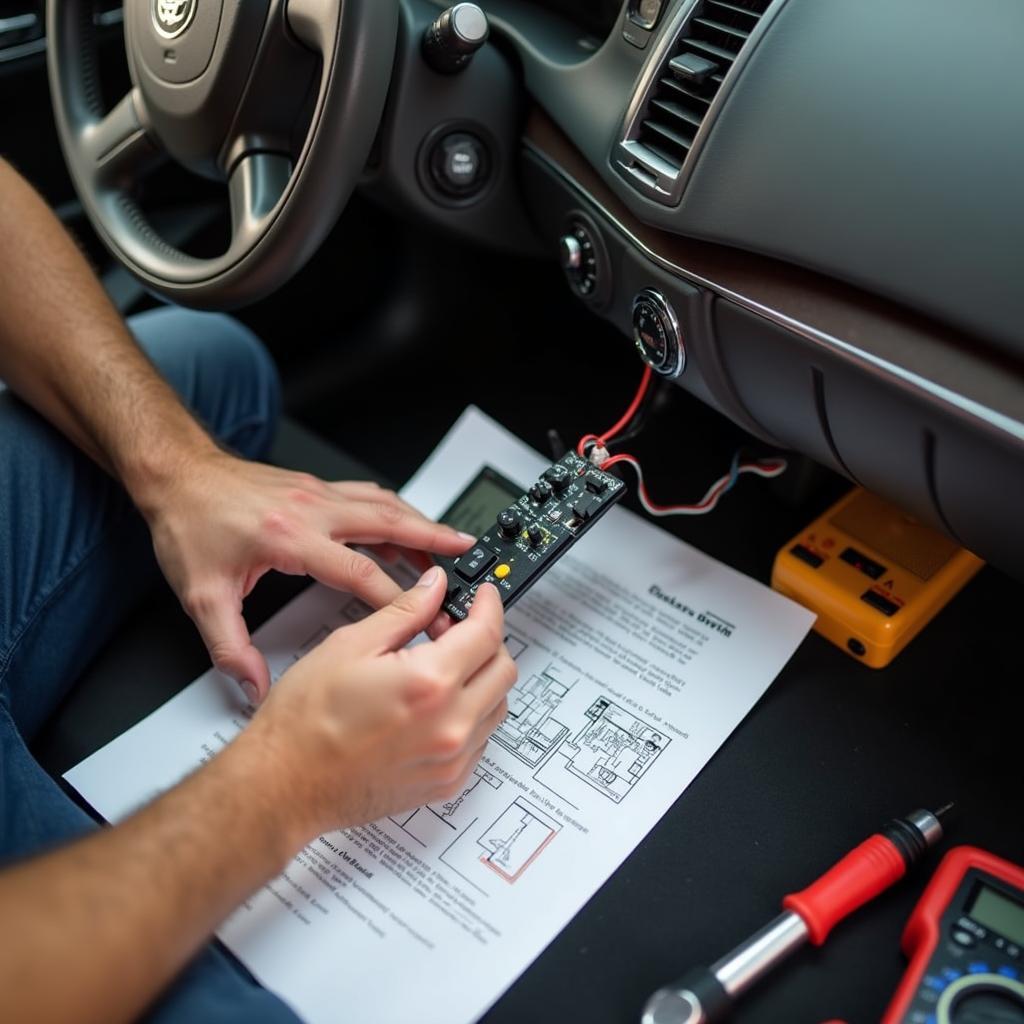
x=412, y=331
x=831, y=752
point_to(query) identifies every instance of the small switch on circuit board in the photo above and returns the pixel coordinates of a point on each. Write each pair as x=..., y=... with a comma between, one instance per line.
x=584, y=508
x=541, y=491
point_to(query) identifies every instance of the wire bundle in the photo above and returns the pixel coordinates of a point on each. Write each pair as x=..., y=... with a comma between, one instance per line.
x=590, y=444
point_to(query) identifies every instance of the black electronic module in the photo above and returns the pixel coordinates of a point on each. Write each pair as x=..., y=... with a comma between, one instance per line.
x=530, y=535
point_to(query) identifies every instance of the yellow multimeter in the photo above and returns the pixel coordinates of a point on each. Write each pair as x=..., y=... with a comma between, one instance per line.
x=874, y=576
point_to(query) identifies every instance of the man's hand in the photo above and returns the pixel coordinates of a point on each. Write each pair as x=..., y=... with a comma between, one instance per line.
x=220, y=523
x=362, y=727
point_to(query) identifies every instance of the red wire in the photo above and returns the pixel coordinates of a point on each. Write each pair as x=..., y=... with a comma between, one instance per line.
x=645, y=381
x=603, y=439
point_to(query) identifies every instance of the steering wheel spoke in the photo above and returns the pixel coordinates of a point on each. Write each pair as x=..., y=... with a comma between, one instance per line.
x=315, y=23
x=257, y=182
x=120, y=148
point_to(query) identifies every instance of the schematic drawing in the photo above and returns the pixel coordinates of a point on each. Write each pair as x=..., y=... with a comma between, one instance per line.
x=516, y=839
x=433, y=822
x=530, y=731
x=611, y=753
x=506, y=848
x=515, y=645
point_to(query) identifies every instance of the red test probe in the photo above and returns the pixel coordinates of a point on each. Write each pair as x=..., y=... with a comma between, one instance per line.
x=706, y=994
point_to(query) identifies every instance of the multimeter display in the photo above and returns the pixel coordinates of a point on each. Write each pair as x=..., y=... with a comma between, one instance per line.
x=995, y=911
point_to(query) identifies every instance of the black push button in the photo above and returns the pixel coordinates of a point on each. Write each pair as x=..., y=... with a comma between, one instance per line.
x=535, y=535
x=883, y=604
x=509, y=522
x=596, y=485
x=559, y=478
x=862, y=563
x=806, y=555
x=473, y=565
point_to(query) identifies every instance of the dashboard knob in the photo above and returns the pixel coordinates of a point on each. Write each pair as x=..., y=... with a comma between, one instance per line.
x=453, y=38
x=571, y=252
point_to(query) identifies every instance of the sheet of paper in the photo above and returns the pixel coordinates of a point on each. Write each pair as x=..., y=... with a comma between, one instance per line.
x=638, y=656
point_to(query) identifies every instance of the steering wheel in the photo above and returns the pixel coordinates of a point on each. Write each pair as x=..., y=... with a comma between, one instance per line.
x=280, y=99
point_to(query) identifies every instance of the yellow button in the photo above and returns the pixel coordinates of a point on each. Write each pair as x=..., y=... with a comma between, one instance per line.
x=502, y=571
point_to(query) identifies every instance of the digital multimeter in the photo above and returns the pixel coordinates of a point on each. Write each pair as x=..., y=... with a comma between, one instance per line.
x=965, y=941
x=874, y=576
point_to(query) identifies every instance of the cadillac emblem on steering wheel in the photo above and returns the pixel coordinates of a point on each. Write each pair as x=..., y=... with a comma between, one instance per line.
x=172, y=17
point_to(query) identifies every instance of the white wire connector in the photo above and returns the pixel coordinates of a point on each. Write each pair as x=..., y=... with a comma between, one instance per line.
x=599, y=455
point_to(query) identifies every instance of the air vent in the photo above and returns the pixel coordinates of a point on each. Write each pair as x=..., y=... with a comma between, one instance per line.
x=673, y=104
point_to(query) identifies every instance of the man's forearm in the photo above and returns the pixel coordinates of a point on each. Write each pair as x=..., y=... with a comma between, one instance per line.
x=65, y=350
x=94, y=931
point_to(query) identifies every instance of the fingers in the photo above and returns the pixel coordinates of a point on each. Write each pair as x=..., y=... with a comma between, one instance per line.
x=359, y=490
x=470, y=644
x=409, y=614
x=418, y=559
x=338, y=566
x=483, y=699
x=376, y=522
x=452, y=779
x=482, y=733
x=389, y=553
x=440, y=625
x=217, y=613
x=393, y=553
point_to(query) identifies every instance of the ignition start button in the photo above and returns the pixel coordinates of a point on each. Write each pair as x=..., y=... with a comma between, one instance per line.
x=459, y=165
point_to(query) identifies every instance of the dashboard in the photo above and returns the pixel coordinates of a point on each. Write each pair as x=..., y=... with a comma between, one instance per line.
x=594, y=16
x=824, y=202
x=808, y=214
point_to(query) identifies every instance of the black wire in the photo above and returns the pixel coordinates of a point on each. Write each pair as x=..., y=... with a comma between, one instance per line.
x=640, y=418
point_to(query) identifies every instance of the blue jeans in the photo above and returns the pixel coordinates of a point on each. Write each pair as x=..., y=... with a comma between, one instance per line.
x=75, y=557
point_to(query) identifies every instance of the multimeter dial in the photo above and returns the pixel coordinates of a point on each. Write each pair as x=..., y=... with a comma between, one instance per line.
x=980, y=999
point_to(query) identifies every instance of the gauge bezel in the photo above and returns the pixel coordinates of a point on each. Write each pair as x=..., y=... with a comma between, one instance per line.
x=675, y=362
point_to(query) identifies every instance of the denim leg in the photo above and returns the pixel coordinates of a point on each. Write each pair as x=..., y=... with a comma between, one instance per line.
x=74, y=557
x=35, y=814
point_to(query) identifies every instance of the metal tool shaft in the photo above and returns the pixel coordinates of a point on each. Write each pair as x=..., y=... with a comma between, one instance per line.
x=738, y=970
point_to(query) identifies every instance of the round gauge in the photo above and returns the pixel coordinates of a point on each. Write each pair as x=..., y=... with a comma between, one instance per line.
x=656, y=333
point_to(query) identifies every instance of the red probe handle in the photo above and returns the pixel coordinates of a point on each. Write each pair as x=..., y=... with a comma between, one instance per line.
x=860, y=876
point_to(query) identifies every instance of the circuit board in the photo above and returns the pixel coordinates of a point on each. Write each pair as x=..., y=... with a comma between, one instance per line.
x=531, y=534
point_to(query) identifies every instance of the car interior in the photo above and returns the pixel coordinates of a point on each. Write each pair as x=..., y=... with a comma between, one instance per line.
x=806, y=218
